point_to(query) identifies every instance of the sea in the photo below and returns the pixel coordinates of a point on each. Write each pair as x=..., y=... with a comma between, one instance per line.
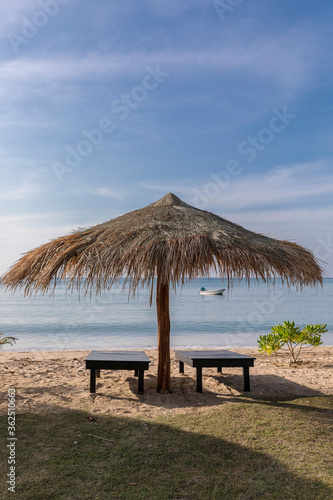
x=115, y=320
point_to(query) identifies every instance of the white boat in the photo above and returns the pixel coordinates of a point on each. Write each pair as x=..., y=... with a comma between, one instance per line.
x=203, y=291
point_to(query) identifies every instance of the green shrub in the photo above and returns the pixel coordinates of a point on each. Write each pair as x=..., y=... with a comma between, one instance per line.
x=292, y=337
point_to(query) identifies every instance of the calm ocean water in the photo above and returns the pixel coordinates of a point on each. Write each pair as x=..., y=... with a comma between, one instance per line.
x=112, y=321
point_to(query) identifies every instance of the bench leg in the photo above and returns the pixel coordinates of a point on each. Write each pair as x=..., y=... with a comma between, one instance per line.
x=199, y=379
x=181, y=367
x=246, y=373
x=136, y=373
x=98, y=373
x=92, y=380
x=140, y=382
x=219, y=369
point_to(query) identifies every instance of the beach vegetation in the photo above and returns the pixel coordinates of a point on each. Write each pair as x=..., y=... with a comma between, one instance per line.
x=288, y=337
x=6, y=340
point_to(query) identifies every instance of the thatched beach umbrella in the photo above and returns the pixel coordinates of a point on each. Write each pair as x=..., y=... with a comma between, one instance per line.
x=169, y=240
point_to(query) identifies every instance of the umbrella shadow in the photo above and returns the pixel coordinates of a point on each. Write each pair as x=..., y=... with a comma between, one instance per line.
x=217, y=390
x=229, y=389
x=183, y=394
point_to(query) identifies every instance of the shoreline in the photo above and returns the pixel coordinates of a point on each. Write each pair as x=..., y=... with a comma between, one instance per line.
x=149, y=348
x=56, y=381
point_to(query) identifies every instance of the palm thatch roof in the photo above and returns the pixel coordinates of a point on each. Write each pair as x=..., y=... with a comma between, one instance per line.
x=169, y=238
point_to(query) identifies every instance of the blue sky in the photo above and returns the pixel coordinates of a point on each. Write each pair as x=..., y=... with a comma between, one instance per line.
x=107, y=106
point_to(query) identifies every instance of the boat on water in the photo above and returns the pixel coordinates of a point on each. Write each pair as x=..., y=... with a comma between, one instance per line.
x=203, y=291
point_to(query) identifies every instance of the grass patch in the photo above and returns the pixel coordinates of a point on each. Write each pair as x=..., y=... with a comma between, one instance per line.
x=244, y=450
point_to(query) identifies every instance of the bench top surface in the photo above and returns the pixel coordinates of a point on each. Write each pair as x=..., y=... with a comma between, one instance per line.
x=212, y=355
x=136, y=356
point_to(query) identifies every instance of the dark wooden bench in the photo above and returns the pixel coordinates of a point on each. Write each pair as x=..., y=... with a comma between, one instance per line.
x=215, y=359
x=117, y=360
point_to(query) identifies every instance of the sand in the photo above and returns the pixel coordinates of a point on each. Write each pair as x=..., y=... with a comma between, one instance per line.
x=56, y=381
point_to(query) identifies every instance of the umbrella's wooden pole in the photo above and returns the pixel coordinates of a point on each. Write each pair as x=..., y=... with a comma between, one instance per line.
x=163, y=323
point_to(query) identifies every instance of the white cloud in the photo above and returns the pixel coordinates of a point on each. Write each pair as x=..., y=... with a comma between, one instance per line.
x=10, y=220
x=322, y=215
x=284, y=59
x=107, y=192
x=300, y=184
x=26, y=191
x=91, y=67
x=99, y=191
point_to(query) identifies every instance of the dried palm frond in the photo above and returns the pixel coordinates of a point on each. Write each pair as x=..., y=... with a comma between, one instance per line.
x=169, y=238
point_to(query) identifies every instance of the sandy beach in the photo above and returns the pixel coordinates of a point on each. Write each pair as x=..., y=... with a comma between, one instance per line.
x=56, y=381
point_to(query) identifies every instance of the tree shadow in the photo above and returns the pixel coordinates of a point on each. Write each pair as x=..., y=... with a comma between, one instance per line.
x=66, y=456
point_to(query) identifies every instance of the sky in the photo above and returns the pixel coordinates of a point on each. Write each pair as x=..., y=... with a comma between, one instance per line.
x=107, y=106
